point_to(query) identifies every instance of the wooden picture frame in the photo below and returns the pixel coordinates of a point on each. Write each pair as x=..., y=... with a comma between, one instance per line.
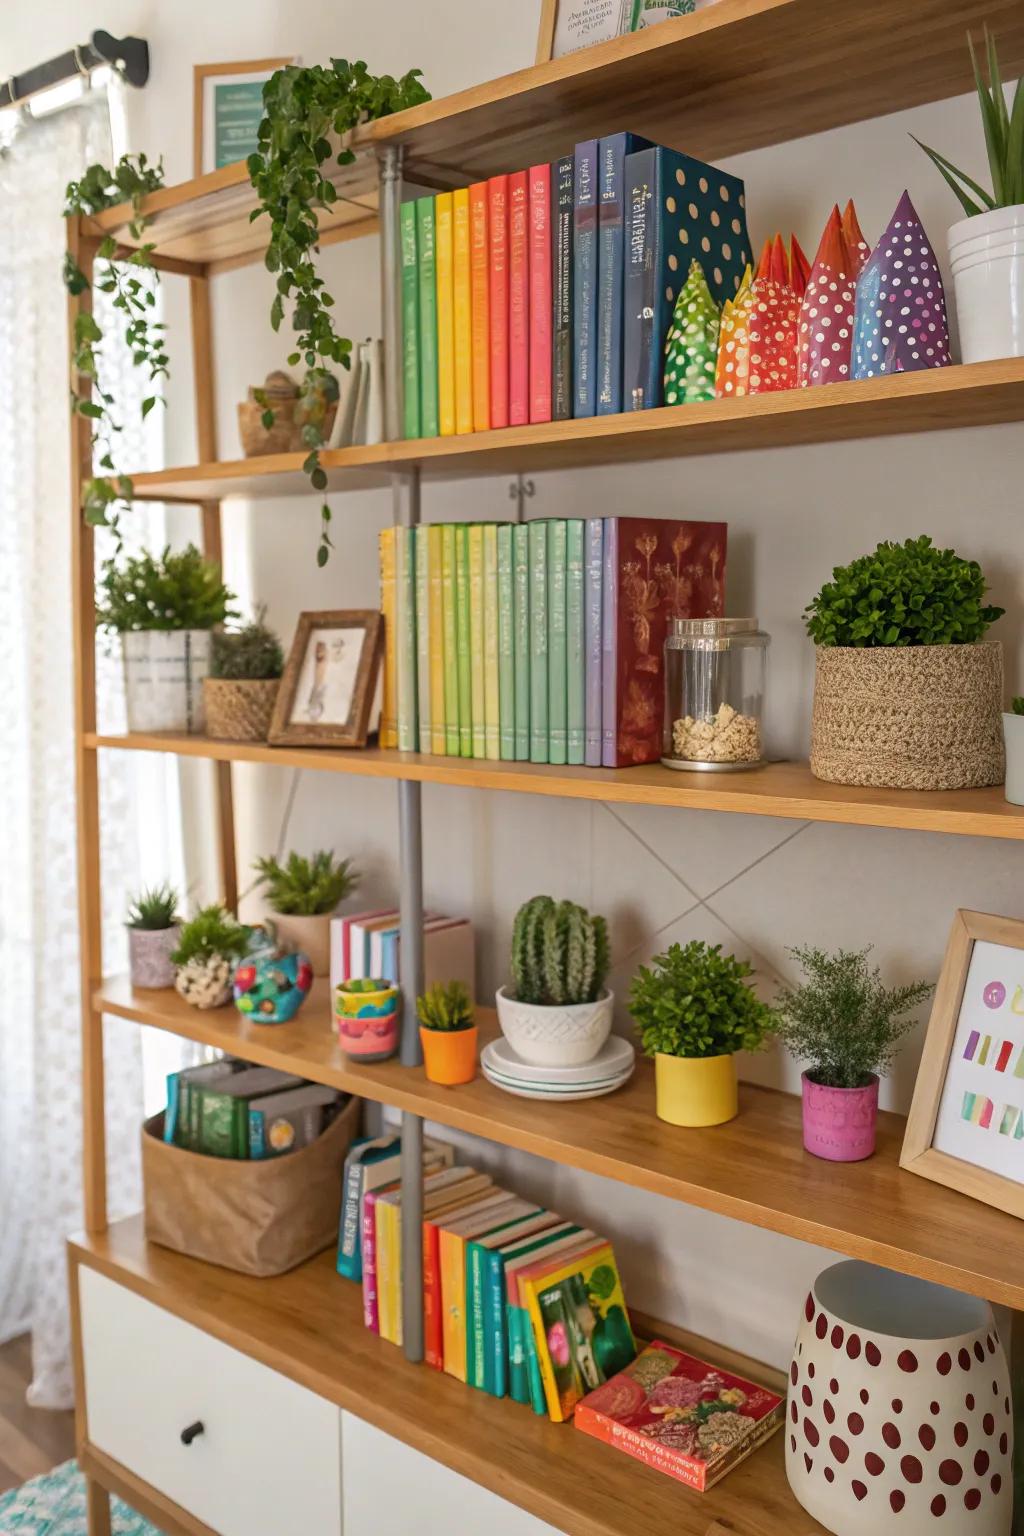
x=308, y=692
x=205, y=78
x=994, y=1072
x=547, y=32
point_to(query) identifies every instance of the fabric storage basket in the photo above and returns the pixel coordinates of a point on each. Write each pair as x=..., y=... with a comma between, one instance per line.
x=259, y=1218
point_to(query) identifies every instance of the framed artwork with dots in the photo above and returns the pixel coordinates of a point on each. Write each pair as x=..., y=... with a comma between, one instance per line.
x=966, y=1123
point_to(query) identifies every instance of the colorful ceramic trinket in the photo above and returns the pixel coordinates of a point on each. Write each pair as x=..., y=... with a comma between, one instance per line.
x=367, y=1018
x=270, y=988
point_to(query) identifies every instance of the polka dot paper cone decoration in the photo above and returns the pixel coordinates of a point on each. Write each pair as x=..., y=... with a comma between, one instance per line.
x=825, y=335
x=856, y=245
x=898, y=1420
x=773, y=325
x=732, y=375
x=799, y=268
x=691, y=351
x=900, y=323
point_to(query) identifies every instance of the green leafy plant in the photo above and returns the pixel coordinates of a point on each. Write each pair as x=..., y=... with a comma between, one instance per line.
x=304, y=887
x=1017, y=705
x=131, y=279
x=154, y=908
x=445, y=1007
x=842, y=1020
x=304, y=109
x=168, y=591
x=694, y=1001
x=903, y=594
x=252, y=652
x=1004, y=141
x=559, y=953
x=213, y=931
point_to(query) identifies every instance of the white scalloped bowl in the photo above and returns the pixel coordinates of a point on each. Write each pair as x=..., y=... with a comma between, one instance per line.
x=563, y=1036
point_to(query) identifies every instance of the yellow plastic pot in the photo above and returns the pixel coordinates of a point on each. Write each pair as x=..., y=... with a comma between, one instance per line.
x=696, y=1091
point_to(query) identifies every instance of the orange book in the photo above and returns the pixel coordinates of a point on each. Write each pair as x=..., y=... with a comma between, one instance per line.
x=470, y=1195
x=463, y=305
x=479, y=277
x=493, y=1211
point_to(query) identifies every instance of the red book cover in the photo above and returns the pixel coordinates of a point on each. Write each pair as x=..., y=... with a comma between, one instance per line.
x=480, y=318
x=497, y=219
x=540, y=293
x=681, y=1415
x=518, y=301
x=433, y=1335
x=659, y=569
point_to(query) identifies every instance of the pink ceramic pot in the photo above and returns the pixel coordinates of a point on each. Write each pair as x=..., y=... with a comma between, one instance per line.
x=839, y=1123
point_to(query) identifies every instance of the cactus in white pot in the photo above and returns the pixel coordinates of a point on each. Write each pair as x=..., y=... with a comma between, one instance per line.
x=210, y=946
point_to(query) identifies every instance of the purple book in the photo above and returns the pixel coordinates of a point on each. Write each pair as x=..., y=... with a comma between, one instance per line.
x=609, y=645
x=593, y=558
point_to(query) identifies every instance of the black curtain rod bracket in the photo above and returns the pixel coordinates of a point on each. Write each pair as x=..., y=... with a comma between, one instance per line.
x=129, y=56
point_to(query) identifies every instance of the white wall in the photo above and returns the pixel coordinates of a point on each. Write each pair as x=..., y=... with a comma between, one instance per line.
x=757, y=884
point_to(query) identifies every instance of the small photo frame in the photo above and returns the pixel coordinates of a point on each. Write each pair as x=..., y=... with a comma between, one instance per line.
x=329, y=682
x=227, y=108
x=966, y=1124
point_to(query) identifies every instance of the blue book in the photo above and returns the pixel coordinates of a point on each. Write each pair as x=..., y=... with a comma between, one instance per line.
x=593, y=579
x=389, y=954
x=584, y=300
x=611, y=225
x=361, y=1155
x=562, y=172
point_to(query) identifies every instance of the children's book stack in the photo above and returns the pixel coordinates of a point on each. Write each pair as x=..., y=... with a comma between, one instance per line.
x=539, y=642
x=229, y=1108
x=370, y=944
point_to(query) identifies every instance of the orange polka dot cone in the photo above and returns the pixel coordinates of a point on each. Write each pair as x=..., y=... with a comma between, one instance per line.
x=691, y=350
x=857, y=247
x=732, y=375
x=825, y=326
x=773, y=324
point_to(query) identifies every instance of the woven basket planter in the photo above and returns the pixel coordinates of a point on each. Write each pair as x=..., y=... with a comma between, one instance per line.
x=908, y=717
x=239, y=709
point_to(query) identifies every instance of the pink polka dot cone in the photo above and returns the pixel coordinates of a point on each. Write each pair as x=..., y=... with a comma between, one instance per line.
x=773, y=324
x=825, y=327
x=900, y=323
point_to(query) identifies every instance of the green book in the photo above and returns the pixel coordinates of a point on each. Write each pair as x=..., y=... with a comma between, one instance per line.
x=532, y=1221
x=538, y=625
x=476, y=638
x=492, y=702
x=521, y=638
x=405, y=632
x=463, y=640
x=410, y=321
x=506, y=648
x=557, y=706
x=449, y=638
x=498, y=1309
x=421, y=568
x=223, y=1109
x=575, y=649
x=429, y=424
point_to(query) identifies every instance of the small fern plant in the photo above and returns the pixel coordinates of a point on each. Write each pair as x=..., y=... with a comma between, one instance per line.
x=250, y=654
x=445, y=1007
x=694, y=1001
x=559, y=953
x=154, y=909
x=302, y=887
x=212, y=932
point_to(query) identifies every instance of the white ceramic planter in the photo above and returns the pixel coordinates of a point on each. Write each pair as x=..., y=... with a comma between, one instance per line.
x=163, y=678
x=565, y=1036
x=1013, y=735
x=987, y=257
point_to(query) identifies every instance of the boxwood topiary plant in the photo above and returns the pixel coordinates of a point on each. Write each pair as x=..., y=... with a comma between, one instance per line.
x=1017, y=705
x=168, y=591
x=903, y=594
x=251, y=653
x=694, y=1001
x=559, y=953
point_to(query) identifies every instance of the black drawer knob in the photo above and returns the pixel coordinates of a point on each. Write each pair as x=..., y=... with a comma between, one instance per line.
x=192, y=1432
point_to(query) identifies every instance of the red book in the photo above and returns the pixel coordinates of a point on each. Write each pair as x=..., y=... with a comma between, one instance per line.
x=518, y=301
x=479, y=287
x=540, y=293
x=497, y=218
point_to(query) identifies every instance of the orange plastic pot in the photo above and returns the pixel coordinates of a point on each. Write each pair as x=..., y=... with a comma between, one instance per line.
x=449, y=1055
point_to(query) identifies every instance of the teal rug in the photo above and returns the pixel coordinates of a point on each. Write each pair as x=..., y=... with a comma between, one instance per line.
x=54, y=1505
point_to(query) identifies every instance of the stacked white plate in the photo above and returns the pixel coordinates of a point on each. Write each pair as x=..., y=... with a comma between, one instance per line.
x=609, y=1069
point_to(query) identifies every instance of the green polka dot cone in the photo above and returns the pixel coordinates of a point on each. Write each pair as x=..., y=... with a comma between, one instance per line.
x=691, y=351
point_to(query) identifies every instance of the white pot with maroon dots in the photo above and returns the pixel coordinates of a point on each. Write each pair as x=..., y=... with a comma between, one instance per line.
x=899, y=1417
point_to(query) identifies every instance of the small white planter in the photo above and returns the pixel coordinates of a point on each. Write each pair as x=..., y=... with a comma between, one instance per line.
x=986, y=253
x=163, y=678
x=1013, y=735
x=565, y=1036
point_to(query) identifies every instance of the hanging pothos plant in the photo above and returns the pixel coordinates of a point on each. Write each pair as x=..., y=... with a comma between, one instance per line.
x=135, y=299
x=306, y=112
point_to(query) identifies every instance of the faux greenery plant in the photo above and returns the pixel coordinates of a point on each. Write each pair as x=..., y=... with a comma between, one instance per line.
x=694, y=1001
x=306, y=111
x=559, y=953
x=213, y=931
x=1004, y=141
x=842, y=1020
x=154, y=908
x=902, y=594
x=445, y=1007
x=251, y=653
x=1017, y=705
x=168, y=591
x=304, y=887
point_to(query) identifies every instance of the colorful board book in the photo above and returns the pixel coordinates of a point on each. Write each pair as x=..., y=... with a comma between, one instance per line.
x=580, y=1327
x=480, y=1300
x=497, y=234
x=480, y=303
x=462, y=310
x=426, y=255
x=410, y=322
x=444, y=256
x=518, y=300
x=493, y=1212
x=541, y=316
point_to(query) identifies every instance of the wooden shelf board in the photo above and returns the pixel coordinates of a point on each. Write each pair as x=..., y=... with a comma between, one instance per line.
x=872, y=1210
x=780, y=789
x=267, y=475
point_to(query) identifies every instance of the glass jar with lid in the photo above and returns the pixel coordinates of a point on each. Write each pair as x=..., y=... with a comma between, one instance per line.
x=714, y=694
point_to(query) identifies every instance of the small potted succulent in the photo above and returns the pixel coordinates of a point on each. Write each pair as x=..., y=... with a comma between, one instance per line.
x=448, y=1033
x=905, y=697
x=245, y=671
x=367, y=1017
x=848, y=1027
x=153, y=929
x=303, y=895
x=694, y=1008
x=1013, y=736
x=558, y=1012
x=164, y=607
x=209, y=947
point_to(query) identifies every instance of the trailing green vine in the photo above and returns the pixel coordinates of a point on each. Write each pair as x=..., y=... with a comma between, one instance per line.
x=129, y=181
x=306, y=110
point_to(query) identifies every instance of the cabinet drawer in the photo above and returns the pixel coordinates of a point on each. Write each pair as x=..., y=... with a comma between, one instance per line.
x=268, y=1459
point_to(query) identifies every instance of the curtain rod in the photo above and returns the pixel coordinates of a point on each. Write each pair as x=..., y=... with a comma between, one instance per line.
x=128, y=55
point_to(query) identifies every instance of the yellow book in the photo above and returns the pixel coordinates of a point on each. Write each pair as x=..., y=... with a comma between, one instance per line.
x=491, y=742
x=389, y=703
x=435, y=608
x=476, y=637
x=443, y=1189
x=444, y=264
x=491, y=1212
x=576, y=1295
x=463, y=306
x=385, y=1268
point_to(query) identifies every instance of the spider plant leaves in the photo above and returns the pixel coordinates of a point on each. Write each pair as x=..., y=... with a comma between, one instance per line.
x=1003, y=127
x=949, y=172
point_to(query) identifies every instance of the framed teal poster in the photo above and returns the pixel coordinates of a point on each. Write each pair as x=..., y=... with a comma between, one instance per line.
x=227, y=109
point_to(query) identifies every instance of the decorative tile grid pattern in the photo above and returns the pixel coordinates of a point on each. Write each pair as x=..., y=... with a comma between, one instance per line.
x=54, y=1505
